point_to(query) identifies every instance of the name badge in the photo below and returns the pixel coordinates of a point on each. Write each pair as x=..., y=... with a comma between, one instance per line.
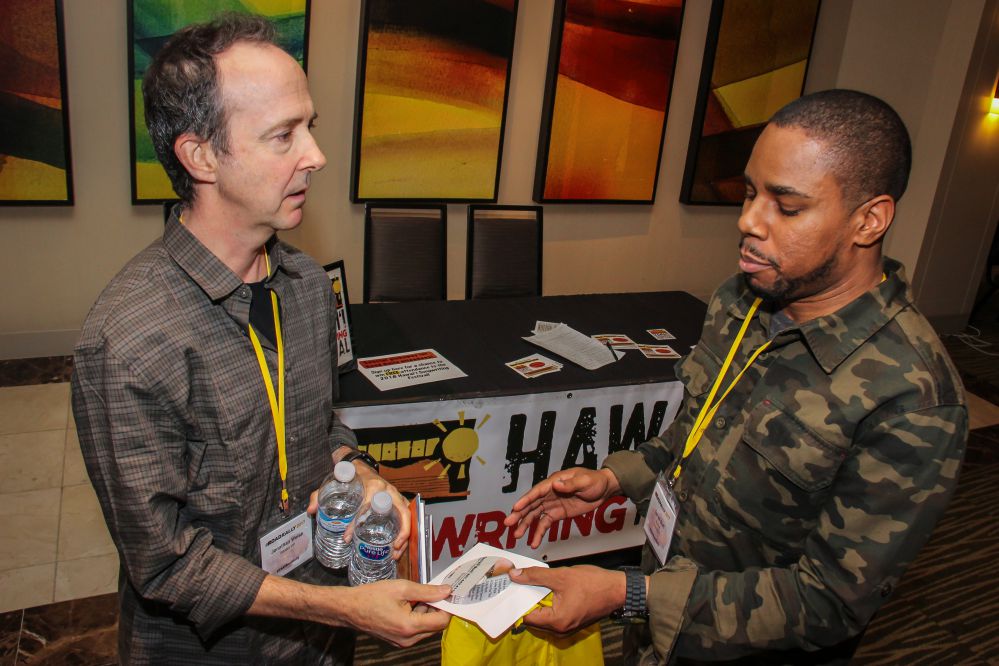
x=287, y=545
x=660, y=521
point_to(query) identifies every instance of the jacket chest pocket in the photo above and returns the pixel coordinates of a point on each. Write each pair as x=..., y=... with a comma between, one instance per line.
x=780, y=475
x=796, y=453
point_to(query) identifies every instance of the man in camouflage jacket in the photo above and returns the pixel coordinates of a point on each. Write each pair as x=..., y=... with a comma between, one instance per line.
x=824, y=469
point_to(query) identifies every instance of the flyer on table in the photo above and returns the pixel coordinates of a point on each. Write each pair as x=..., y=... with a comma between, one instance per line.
x=407, y=369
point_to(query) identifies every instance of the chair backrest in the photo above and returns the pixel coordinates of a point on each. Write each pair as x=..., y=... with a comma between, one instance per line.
x=405, y=252
x=504, y=251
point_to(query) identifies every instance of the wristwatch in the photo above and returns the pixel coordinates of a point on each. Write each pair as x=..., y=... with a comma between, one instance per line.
x=635, y=608
x=355, y=454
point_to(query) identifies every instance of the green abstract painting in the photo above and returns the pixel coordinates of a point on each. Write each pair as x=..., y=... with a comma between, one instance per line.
x=150, y=25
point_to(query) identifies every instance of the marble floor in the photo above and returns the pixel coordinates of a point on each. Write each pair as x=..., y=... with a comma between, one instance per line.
x=54, y=545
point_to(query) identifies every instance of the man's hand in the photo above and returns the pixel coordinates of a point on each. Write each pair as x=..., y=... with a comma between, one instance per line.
x=389, y=609
x=580, y=595
x=386, y=609
x=372, y=484
x=565, y=494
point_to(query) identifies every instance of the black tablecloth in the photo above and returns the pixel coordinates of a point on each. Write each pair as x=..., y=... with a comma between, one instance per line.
x=481, y=336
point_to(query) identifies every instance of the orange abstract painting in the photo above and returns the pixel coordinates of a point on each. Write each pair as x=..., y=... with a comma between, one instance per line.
x=432, y=99
x=34, y=121
x=754, y=63
x=610, y=75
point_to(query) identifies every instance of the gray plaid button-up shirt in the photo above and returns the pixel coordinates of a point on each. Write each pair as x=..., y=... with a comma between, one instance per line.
x=178, y=439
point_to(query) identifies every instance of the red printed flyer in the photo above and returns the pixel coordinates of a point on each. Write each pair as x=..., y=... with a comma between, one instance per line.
x=407, y=369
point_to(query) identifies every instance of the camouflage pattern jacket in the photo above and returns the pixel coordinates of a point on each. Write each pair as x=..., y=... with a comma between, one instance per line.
x=816, y=484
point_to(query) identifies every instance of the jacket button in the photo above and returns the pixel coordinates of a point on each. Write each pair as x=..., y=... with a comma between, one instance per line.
x=720, y=422
x=886, y=590
x=682, y=496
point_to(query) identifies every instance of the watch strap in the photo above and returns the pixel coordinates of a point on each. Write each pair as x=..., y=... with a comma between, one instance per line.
x=363, y=456
x=635, y=605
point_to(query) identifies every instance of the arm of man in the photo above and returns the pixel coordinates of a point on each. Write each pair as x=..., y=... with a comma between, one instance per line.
x=887, y=497
x=342, y=440
x=386, y=609
x=136, y=454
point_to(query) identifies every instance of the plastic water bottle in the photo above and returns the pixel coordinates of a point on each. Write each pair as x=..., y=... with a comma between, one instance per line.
x=339, y=499
x=373, y=537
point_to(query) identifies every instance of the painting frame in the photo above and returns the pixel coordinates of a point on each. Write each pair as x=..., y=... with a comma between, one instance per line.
x=545, y=138
x=138, y=199
x=358, y=192
x=692, y=182
x=66, y=149
x=336, y=271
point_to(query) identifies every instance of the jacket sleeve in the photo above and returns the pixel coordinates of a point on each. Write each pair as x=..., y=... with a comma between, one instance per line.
x=887, y=497
x=135, y=452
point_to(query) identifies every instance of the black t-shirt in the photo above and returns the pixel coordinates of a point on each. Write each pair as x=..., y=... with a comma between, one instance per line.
x=262, y=312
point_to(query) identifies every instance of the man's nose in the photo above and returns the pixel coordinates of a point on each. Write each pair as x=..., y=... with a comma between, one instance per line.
x=750, y=220
x=313, y=160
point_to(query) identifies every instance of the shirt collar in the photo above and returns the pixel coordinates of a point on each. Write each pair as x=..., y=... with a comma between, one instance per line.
x=207, y=271
x=835, y=336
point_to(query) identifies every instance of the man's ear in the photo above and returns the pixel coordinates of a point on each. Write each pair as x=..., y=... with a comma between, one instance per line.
x=197, y=156
x=873, y=219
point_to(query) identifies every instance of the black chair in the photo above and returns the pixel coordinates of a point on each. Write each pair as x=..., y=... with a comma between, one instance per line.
x=405, y=252
x=504, y=251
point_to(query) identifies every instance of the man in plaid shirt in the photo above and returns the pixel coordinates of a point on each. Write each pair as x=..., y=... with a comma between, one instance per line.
x=173, y=390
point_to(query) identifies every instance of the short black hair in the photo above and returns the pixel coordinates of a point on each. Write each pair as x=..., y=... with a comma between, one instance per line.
x=870, y=149
x=181, y=88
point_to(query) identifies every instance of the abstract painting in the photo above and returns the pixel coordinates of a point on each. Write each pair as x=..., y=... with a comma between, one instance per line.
x=610, y=74
x=755, y=62
x=432, y=83
x=150, y=25
x=35, y=165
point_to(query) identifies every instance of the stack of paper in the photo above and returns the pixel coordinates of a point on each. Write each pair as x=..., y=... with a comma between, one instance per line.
x=569, y=343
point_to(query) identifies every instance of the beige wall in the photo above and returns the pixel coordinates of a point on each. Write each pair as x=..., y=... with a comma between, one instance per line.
x=965, y=211
x=57, y=260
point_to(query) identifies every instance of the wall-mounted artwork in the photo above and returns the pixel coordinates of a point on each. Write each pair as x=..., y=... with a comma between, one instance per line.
x=432, y=83
x=150, y=25
x=35, y=165
x=610, y=73
x=755, y=62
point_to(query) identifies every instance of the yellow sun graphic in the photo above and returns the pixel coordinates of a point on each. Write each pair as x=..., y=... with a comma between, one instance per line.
x=459, y=445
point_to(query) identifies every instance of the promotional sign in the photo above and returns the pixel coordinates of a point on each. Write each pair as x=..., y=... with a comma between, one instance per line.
x=472, y=459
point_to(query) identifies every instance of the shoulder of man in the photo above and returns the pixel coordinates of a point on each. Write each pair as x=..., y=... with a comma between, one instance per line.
x=131, y=296
x=922, y=362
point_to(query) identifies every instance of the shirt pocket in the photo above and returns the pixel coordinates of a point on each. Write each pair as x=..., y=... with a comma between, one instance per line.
x=792, y=449
x=779, y=478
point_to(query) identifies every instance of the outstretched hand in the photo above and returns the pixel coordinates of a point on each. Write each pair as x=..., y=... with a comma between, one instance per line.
x=565, y=494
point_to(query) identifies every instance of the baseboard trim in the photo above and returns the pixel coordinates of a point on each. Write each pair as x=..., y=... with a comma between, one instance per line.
x=34, y=344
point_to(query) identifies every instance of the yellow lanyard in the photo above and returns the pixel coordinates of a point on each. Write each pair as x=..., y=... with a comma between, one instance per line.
x=277, y=403
x=708, y=410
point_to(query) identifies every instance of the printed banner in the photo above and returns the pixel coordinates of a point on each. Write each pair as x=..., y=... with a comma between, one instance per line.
x=472, y=459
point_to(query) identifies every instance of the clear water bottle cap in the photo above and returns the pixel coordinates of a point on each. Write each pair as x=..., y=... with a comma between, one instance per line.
x=344, y=471
x=381, y=502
